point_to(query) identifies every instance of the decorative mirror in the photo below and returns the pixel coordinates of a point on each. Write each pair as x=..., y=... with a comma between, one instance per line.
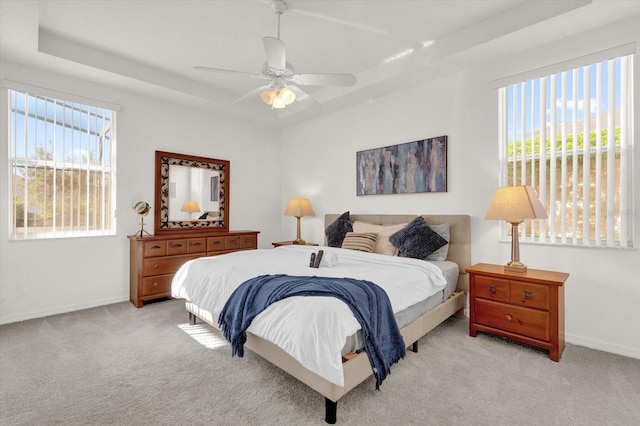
x=192, y=193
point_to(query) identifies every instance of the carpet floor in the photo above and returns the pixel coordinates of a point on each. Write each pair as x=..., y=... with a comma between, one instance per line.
x=118, y=365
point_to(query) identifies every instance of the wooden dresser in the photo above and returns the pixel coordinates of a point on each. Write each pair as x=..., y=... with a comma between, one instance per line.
x=154, y=260
x=527, y=307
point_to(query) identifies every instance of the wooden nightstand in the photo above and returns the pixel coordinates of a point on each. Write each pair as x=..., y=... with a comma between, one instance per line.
x=527, y=307
x=290, y=243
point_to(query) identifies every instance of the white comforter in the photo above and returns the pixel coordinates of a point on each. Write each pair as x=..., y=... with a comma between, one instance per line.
x=312, y=330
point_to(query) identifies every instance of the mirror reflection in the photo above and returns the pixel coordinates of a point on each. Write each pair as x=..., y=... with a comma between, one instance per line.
x=193, y=193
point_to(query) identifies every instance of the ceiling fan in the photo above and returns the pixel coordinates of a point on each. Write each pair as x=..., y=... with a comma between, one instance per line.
x=284, y=85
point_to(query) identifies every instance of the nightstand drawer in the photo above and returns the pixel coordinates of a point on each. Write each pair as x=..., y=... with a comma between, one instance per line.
x=523, y=321
x=530, y=295
x=492, y=288
x=155, y=285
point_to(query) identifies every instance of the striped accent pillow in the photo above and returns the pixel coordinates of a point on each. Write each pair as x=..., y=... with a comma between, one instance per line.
x=365, y=241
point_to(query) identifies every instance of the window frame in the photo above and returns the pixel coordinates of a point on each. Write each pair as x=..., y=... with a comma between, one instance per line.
x=546, y=231
x=104, y=220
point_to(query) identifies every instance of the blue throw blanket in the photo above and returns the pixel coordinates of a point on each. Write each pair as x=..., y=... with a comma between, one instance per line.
x=368, y=302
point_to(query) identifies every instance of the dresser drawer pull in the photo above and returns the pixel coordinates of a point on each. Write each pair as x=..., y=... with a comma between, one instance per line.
x=196, y=244
x=176, y=245
x=492, y=289
x=155, y=247
x=216, y=243
x=155, y=284
x=155, y=265
x=508, y=317
x=247, y=240
x=527, y=294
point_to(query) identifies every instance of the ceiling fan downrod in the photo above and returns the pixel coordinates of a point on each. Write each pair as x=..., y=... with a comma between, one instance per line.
x=279, y=7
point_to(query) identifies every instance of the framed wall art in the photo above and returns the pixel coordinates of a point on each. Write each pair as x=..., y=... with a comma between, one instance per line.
x=407, y=168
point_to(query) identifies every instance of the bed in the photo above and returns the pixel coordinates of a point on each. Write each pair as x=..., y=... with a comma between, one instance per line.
x=354, y=367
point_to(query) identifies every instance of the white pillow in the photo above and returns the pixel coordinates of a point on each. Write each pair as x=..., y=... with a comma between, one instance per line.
x=442, y=252
x=383, y=245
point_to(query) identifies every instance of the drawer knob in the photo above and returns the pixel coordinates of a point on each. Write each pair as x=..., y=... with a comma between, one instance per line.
x=155, y=265
x=492, y=289
x=508, y=317
x=155, y=284
x=527, y=295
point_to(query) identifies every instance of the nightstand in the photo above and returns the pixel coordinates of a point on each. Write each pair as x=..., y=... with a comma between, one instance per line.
x=523, y=306
x=290, y=243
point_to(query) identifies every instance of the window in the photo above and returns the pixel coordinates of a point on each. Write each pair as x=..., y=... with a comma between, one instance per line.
x=62, y=163
x=569, y=135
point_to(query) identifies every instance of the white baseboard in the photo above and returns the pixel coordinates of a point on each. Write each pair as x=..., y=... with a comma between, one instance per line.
x=60, y=310
x=602, y=346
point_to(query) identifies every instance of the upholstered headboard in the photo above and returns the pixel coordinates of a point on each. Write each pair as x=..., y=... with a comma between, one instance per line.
x=459, y=228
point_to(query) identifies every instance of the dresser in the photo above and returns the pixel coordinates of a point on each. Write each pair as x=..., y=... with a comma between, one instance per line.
x=155, y=259
x=523, y=306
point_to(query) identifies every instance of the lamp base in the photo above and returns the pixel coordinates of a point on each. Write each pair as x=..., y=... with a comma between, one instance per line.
x=299, y=241
x=515, y=267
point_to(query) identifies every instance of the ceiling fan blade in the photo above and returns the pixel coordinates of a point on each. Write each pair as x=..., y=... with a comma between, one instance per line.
x=255, y=93
x=276, y=57
x=220, y=70
x=324, y=79
x=303, y=97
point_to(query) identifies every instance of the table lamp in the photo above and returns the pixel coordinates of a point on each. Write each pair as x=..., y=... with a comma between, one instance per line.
x=299, y=207
x=515, y=204
x=190, y=207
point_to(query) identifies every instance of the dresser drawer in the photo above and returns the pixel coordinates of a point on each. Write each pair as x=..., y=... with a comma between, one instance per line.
x=530, y=295
x=165, y=265
x=176, y=247
x=154, y=248
x=492, y=288
x=523, y=321
x=155, y=285
x=196, y=245
x=215, y=243
x=248, y=241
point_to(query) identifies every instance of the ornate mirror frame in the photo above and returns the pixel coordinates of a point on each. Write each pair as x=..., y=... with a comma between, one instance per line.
x=162, y=224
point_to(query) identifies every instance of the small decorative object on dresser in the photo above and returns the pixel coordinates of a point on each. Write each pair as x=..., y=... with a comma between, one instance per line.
x=523, y=306
x=154, y=260
x=142, y=209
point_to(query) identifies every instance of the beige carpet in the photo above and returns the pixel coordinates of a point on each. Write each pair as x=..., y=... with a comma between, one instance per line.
x=118, y=365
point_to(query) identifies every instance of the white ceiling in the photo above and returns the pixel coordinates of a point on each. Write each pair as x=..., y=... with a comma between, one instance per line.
x=152, y=46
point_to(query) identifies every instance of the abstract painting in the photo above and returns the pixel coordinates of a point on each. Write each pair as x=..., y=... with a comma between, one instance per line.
x=407, y=168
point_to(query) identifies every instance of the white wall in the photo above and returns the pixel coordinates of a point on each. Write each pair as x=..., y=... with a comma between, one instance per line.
x=39, y=278
x=603, y=291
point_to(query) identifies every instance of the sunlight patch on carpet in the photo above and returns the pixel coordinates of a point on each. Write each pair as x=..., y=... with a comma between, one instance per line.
x=204, y=335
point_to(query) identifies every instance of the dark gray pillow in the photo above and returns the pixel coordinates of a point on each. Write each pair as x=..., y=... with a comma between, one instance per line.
x=417, y=239
x=338, y=229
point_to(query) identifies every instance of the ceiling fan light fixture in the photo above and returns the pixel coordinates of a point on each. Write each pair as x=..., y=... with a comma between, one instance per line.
x=287, y=96
x=278, y=102
x=268, y=95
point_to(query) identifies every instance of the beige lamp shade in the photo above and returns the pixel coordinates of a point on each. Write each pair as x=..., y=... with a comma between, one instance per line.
x=190, y=207
x=299, y=207
x=515, y=204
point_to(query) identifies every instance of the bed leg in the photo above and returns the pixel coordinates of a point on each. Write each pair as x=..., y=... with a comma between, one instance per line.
x=330, y=409
x=414, y=347
x=192, y=319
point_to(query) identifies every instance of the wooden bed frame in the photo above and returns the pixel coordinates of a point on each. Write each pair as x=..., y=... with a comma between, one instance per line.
x=357, y=368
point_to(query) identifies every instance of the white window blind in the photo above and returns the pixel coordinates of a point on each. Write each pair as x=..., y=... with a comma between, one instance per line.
x=62, y=163
x=569, y=136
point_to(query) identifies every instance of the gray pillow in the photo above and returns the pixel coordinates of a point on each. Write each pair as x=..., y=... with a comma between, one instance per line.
x=442, y=252
x=417, y=239
x=338, y=229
